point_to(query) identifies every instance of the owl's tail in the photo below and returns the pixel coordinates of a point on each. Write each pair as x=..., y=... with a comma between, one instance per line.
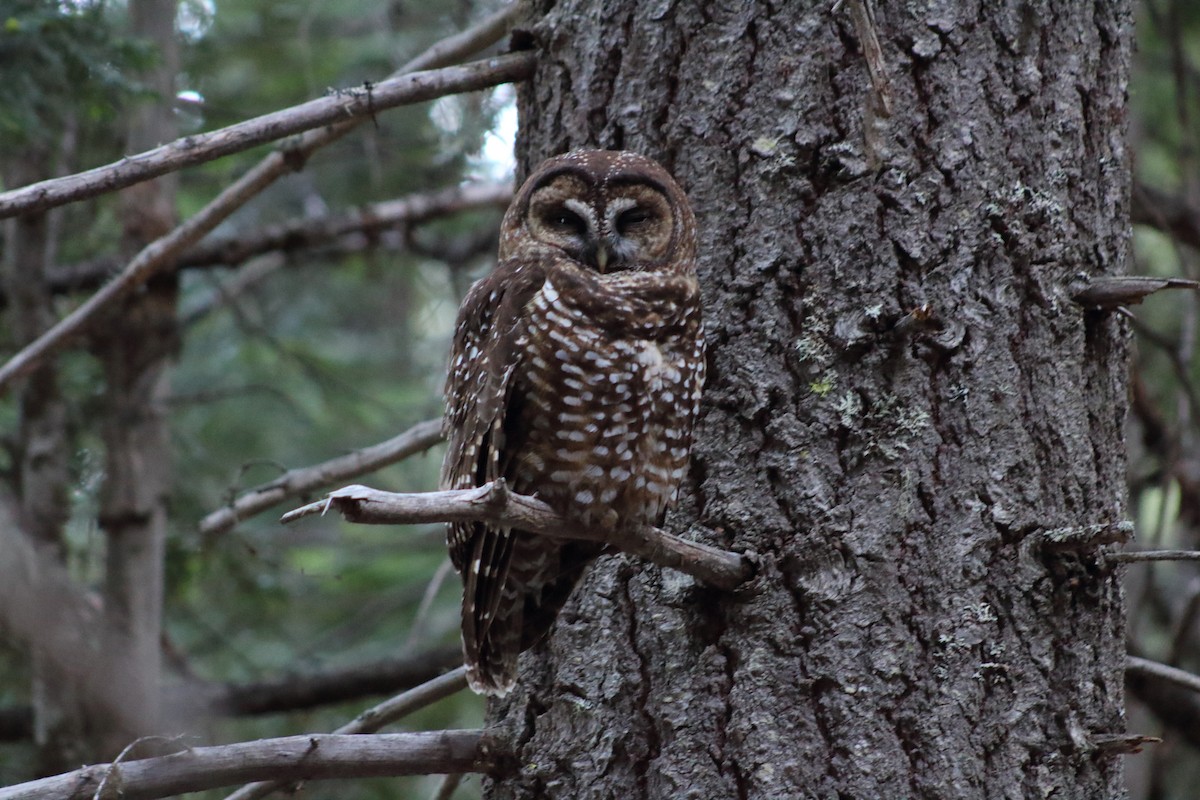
x=512, y=605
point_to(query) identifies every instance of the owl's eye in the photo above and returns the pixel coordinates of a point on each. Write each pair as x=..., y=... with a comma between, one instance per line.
x=567, y=220
x=633, y=217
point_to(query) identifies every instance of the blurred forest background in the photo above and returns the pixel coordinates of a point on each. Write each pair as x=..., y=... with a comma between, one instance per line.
x=313, y=347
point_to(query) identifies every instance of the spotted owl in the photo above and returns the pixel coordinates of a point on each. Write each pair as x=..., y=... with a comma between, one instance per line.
x=575, y=375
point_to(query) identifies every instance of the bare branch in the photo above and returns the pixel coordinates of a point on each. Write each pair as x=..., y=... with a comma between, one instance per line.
x=1155, y=555
x=372, y=720
x=1153, y=669
x=400, y=706
x=299, y=691
x=1176, y=703
x=493, y=503
x=304, y=232
x=449, y=785
x=288, y=693
x=1111, y=291
x=161, y=253
x=1171, y=215
x=289, y=758
x=478, y=37
x=1085, y=537
x=416, y=439
x=343, y=105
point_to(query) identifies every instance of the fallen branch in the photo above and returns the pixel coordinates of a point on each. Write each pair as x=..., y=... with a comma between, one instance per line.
x=340, y=106
x=163, y=252
x=373, y=719
x=416, y=439
x=493, y=503
x=289, y=758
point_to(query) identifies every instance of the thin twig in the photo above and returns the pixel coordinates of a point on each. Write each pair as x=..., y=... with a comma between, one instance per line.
x=493, y=503
x=339, y=107
x=448, y=786
x=157, y=255
x=416, y=439
x=1154, y=669
x=864, y=26
x=294, y=758
x=372, y=720
x=431, y=590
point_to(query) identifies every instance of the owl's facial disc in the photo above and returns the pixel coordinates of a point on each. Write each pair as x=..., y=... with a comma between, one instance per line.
x=624, y=226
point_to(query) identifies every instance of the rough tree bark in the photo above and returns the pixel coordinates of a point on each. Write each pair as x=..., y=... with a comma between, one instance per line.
x=905, y=635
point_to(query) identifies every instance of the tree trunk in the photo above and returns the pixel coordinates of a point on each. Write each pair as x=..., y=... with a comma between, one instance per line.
x=42, y=460
x=136, y=350
x=906, y=634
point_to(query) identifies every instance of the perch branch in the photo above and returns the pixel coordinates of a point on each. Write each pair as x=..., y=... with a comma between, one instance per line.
x=372, y=720
x=416, y=439
x=493, y=503
x=290, y=758
x=339, y=106
x=162, y=252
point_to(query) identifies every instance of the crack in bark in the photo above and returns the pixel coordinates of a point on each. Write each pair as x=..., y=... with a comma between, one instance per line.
x=646, y=673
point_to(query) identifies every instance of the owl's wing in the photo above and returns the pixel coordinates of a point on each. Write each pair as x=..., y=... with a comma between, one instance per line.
x=479, y=399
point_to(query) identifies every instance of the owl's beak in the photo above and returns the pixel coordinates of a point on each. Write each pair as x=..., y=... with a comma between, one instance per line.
x=602, y=259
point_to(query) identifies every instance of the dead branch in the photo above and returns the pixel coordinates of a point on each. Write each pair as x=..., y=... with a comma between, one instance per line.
x=304, y=232
x=1170, y=214
x=1176, y=704
x=493, y=503
x=372, y=720
x=416, y=439
x=161, y=253
x=340, y=106
x=308, y=690
x=1108, y=292
x=1085, y=537
x=1153, y=669
x=289, y=758
x=1155, y=555
x=288, y=693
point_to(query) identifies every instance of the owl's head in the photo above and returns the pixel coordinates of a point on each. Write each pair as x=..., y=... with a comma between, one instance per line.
x=608, y=210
